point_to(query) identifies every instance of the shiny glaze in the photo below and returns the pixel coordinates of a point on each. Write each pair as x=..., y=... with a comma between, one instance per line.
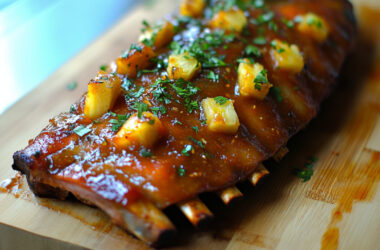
x=123, y=176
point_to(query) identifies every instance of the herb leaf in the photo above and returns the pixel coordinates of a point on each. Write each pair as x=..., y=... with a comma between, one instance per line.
x=145, y=153
x=81, y=130
x=71, y=86
x=276, y=92
x=221, y=100
x=186, y=151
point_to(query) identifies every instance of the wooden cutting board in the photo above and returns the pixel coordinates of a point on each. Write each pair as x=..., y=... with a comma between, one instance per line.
x=338, y=208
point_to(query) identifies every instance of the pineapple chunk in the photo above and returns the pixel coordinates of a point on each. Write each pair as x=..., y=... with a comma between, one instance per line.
x=159, y=35
x=137, y=58
x=314, y=26
x=144, y=131
x=252, y=80
x=232, y=20
x=183, y=66
x=103, y=91
x=286, y=57
x=220, y=115
x=192, y=8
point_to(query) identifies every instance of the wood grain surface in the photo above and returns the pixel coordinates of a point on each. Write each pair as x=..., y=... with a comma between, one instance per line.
x=339, y=208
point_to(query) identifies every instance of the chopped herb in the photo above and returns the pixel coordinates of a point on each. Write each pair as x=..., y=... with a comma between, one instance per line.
x=127, y=84
x=187, y=149
x=81, y=130
x=273, y=26
x=103, y=67
x=199, y=143
x=213, y=76
x=135, y=47
x=258, y=3
x=177, y=122
x=145, y=153
x=151, y=121
x=260, y=79
x=140, y=107
x=307, y=171
x=186, y=90
x=312, y=21
x=195, y=128
x=138, y=93
x=260, y=40
x=71, y=86
x=181, y=171
x=276, y=92
x=288, y=23
x=73, y=108
x=252, y=50
x=118, y=122
x=221, y=100
x=145, y=71
x=264, y=18
x=243, y=60
x=273, y=44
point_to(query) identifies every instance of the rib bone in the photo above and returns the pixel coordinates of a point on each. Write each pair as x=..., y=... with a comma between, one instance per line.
x=195, y=211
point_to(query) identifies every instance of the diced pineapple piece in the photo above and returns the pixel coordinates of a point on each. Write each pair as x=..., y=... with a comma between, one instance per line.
x=314, y=26
x=103, y=91
x=286, y=57
x=144, y=131
x=220, y=115
x=183, y=66
x=159, y=35
x=252, y=80
x=192, y=8
x=232, y=20
x=137, y=58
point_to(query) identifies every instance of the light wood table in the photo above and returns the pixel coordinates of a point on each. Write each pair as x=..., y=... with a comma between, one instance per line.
x=338, y=207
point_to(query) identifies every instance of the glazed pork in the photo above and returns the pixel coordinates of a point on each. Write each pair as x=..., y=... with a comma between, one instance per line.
x=196, y=106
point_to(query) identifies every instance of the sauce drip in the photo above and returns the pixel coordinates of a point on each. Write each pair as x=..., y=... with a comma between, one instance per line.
x=15, y=186
x=360, y=186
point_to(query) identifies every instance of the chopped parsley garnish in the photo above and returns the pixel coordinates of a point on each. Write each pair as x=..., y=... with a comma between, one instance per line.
x=195, y=128
x=186, y=151
x=186, y=90
x=138, y=93
x=81, y=130
x=261, y=79
x=307, y=171
x=127, y=84
x=213, y=76
x=313, y=21
x=145, y=153
x=288, y=23
x=73, y=108
x=71, y=86
x=118, y=122
x=251, y=50
x=202, y=48
x=199, y=143
x=181, y=171
x=140, y=107
x=273, y=26
x=260, y=40
x=159, y=91
x=103, y=67
x=221, y=100
x=264, y=18
x=242, y=60
x=135, y=47
x=276, y=92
